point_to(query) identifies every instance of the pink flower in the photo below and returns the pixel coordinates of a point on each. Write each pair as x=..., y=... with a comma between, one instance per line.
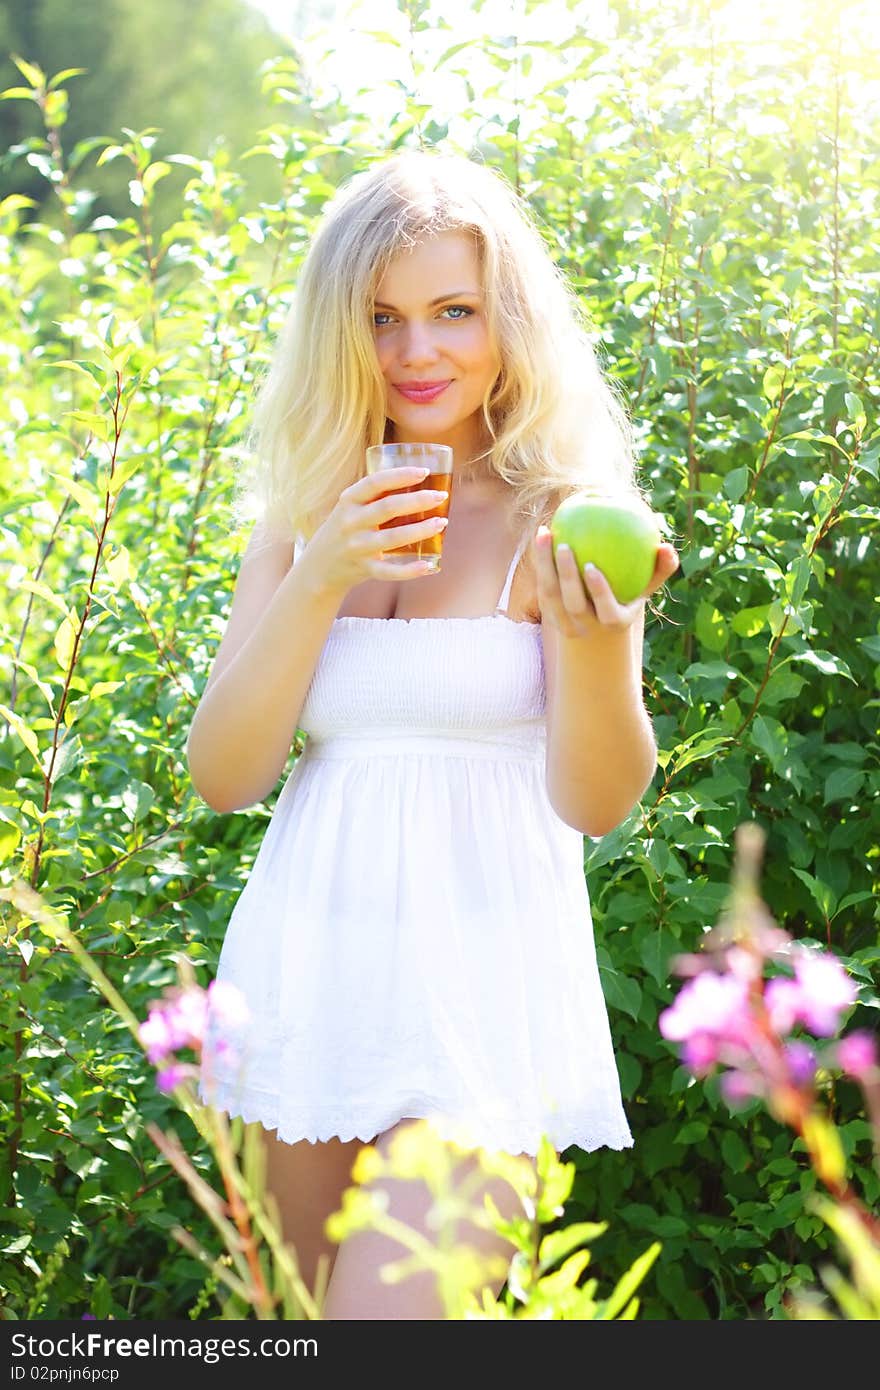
x=156, y=1035
x=171, y=1077
x=187, y=1016
x=745, y=965
x=700, y=1053
x=857, y=1055
x=739, y=1087
x=816, y=997
x=826, y=990
x=712, y=1004
x=183, y=1019
x=801, y=1062
x=783, y=999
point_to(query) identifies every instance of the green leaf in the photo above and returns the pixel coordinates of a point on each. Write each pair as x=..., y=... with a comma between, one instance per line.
x=10, y=838
x=656, y=953
x=34, y=74
x=634, y=290
x=844, y=784
x=558, y=1244
x=855, y=410
x=710, y=627
x=153, y=173
x=769, y=735
x=705, y=748
x=748, y=622
x=735, y=1152
x=64, y=75
x=122, y=472
x=89, y=369
x=17, y=1245
x=797, y=579
x=824, y=661
x=736, y=483
x=65, y=638
x=68, y=755
x=16, y=201
x=772, y=381
x=36, y=586
x=692, y=1133
x=111, y=152
x=822, y=895
x=629, y=1282
x=620, y=992
x=816, y=438
x=102, y=1298
x=79, y=491
x=851, y=899
x=26, y=734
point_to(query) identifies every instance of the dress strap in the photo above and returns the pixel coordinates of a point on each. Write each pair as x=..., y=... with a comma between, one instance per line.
x=501, y=606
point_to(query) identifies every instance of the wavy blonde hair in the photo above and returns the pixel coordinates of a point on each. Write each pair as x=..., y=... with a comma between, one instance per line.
x=554, y=421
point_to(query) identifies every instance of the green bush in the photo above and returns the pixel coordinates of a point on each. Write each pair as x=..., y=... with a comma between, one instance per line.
x=719, y=213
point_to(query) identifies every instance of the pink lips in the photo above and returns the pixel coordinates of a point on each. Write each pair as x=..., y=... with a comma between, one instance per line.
x=421, y=391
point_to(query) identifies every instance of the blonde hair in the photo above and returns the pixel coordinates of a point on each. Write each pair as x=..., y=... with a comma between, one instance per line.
x=555, y=423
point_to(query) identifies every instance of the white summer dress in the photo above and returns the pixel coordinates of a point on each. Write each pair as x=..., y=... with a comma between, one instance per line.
x=414, y=938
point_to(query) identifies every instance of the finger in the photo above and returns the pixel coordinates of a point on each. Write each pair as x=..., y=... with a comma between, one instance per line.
x=405, y=504
x=549, y=594
x=606, y=607
x=395, y=570
x=395, y=537
x=576, y=594
x=385, y=479
x=670, y=560
x=666, y=564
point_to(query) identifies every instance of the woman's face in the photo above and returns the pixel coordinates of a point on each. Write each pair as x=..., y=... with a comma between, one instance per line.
x=433, y=343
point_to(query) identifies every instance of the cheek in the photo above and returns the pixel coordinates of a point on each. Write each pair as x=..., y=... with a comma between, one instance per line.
x=384, y=353
x=479, y=349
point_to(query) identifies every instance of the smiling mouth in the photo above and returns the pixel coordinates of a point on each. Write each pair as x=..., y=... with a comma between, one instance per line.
x=428, y=392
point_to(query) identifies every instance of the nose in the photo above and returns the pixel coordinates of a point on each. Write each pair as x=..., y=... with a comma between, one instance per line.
x=417, y=345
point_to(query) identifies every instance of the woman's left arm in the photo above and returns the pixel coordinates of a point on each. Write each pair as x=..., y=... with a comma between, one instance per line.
x=601, y=752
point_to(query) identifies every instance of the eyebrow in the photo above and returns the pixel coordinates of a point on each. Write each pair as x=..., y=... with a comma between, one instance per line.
x=455, y=294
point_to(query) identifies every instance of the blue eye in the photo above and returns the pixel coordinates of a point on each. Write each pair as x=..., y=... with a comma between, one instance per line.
x=456, y=311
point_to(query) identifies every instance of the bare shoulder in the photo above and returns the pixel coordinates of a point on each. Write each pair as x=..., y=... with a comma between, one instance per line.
x=264, y=563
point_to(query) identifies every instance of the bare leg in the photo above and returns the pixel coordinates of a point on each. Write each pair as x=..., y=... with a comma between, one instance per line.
x=356, y=1289
x=307, y=1181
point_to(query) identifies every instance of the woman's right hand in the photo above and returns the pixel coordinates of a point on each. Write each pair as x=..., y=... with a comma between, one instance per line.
x=348, y=547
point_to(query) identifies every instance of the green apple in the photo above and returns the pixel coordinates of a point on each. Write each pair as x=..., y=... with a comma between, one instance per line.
x=618, y=534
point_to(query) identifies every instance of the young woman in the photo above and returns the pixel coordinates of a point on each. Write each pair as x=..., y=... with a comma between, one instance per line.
x=414, y=940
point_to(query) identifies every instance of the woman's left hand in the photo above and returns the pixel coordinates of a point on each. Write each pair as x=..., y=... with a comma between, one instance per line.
x=581, y=604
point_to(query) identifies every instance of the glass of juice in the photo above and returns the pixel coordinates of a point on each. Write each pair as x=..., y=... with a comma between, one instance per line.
x=438, y=459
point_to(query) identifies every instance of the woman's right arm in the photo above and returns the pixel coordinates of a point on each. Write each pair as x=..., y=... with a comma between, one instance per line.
x=243, y=727
x=281, y=615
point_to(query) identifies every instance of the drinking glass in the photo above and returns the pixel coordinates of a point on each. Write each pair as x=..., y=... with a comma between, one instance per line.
x=437, y=458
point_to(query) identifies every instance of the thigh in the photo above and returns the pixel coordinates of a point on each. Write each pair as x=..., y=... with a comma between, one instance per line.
x=359, y=1291
x=306, y=1182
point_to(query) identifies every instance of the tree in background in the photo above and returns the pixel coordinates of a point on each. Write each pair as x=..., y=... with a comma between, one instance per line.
x=191, y=70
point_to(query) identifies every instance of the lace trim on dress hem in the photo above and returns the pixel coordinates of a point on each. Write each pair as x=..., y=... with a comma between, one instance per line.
x=511, y=1137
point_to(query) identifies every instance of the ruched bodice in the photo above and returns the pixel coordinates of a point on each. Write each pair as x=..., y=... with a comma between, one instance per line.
x=479, y=677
